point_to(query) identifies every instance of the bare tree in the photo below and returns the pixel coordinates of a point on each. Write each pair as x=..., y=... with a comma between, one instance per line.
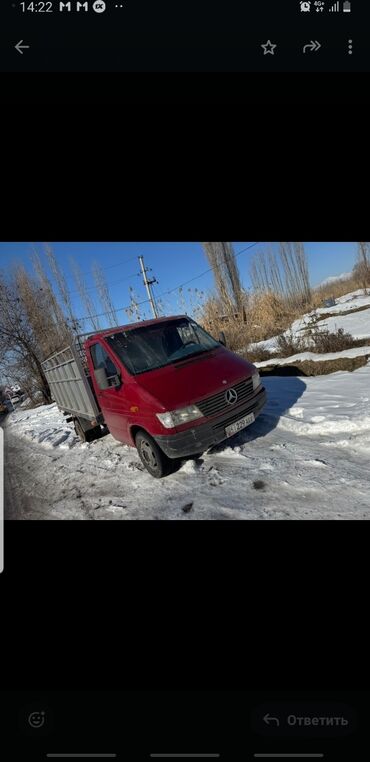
x=255, y=273
x=222, y=260
x=265, y=273
x=43, y=313
x=133, y=311
x=84, y=294
x=287, y=276
x=104, y=295
x=275, y=274
x=62, y=287
x=290, y=271
x=362, y=267
x=258, y=272
x=20, y=350
x=302, y=266
x=48, y=293
x=295, y=267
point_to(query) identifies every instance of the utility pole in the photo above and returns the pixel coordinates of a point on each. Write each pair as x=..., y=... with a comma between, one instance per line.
x=148, y=285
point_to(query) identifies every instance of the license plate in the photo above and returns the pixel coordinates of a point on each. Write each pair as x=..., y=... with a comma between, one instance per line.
x=239, y=425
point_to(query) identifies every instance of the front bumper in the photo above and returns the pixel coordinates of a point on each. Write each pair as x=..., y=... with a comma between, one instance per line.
x=201, y=438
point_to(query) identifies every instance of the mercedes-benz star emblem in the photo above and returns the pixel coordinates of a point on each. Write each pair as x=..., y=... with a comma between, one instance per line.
x=231, y=396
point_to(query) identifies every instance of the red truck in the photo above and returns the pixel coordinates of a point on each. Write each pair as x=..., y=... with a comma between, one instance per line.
x=164, y=386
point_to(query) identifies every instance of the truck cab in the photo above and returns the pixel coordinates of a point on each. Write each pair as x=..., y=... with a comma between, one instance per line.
x=171, y=390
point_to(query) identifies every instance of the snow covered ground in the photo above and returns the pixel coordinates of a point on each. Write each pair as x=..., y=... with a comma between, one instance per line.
x=306, y=457
x=301, y=356
x=357, y=323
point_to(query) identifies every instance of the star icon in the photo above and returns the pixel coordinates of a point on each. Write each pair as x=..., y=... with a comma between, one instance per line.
x=269, y=47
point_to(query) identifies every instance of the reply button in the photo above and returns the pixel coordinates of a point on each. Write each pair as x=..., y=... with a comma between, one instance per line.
x=314, y=720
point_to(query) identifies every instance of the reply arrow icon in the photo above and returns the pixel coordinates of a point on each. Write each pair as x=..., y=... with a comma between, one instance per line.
x=268, y=720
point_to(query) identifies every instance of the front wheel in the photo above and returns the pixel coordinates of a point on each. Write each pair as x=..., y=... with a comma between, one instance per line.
x=151, y=456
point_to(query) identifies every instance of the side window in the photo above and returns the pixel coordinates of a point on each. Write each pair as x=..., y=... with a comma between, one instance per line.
x=102, y=360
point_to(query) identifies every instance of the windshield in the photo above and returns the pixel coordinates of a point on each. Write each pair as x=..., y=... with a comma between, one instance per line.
x=144, y=349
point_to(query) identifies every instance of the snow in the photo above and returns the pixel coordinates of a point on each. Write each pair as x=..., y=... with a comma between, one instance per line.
x=329, y=410
x=350, y=301
x=354, y=352
x=306, y=457
x=357, y=324
x=44, y=424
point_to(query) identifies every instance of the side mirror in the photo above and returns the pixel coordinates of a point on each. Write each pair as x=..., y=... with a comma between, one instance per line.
x=101, y=378
x=222, y=338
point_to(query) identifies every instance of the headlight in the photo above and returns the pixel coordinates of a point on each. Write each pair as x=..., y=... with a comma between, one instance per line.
x=177, y=417
x=256, y=381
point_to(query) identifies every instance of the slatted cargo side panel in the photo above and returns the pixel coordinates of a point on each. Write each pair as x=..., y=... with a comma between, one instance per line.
x=68, y=384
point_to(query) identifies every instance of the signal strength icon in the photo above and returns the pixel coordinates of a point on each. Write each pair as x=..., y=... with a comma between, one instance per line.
x=334, y=8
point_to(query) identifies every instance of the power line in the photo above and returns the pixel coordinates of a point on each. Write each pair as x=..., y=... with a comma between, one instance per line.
x=170, y=291
x=93, y=288
x=208, y=271
x=109, y=267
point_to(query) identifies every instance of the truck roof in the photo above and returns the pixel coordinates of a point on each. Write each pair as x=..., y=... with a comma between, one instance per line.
x=131, y=326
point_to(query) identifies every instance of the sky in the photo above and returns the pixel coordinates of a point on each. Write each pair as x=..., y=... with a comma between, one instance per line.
x=172, y=264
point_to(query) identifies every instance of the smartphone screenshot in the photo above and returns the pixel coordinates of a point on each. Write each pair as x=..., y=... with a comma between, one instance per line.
x=162, y=36
x=179, y=725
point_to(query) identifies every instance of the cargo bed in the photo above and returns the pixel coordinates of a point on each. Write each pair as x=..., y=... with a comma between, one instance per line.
x=70, y=385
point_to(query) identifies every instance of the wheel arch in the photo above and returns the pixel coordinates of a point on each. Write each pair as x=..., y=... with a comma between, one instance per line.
x=135, y=430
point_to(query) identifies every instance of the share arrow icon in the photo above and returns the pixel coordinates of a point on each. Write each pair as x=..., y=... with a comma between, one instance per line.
x=313, y=46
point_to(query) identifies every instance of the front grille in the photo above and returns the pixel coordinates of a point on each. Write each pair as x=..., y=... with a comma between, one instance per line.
x=217, y=404
x=249, y=408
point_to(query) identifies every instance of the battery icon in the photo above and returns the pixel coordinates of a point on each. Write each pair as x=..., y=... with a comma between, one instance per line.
x=346, y=7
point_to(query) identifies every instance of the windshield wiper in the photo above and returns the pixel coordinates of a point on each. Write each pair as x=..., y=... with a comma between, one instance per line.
x=193, y=354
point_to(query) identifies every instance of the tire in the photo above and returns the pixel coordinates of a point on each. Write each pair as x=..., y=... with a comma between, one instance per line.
x=80, y=432
x=151, y=456
x=89, y=435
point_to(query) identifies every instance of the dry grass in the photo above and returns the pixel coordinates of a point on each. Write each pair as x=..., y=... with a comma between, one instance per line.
x=258, y=354
x=268, y=314
x=326, y=341
x=315, y=368
x=290, y=344
x=235, y=330
x=334, y=290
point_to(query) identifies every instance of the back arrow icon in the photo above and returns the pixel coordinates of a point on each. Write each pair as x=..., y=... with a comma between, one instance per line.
x=313, y=46
x=19, y=46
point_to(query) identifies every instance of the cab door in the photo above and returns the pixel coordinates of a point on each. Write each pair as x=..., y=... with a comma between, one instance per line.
x=112, y=400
